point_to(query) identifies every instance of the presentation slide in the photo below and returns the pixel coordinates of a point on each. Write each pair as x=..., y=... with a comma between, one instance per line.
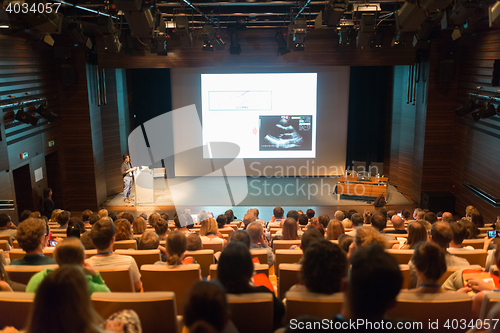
x=268, y=115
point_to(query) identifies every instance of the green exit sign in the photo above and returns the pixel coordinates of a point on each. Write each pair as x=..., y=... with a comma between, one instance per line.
x=51, y=143
x=24, y=155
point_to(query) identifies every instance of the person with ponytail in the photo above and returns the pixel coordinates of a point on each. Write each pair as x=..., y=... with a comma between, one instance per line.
x=176, y=246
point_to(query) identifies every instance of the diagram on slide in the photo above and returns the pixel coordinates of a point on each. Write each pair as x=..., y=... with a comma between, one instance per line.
x=280, y=133
x=240, y=100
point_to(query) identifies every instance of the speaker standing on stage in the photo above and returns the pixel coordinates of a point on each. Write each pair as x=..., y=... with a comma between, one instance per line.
x=126, y=170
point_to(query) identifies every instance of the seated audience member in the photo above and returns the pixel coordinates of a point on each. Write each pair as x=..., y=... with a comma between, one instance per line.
x=259, y=241
x=293, y=214
x=161, y=228
x=256, y=212
x=430, y=265
x=180, y=222
x=235, y=270
x=103, y=236
x=102, y=213
x=203, y=215
x=379, y=222
x=73, y=230
x=31, y=235
x=123, y=230
x=472, y=230
x=350, y=213
x=416, y=234
x=7, y=227
x=164, y=216
x=26, y=214
x=6, y=284
x=367, y=216
x=194, y=242
x=314, y=224
x=469, y=210
x=153, y=218
x=139, y=225
x=383, y=211
x=303, y=220
x=144, y=216
x=70, y=252
x=416, y=212
x=206, y=309
x=149, y=241
x=459, y=233
x=357, y=221
x=339, y=215
x=324, y=220
x=390, y=214
x=63, y=219
x=241, y=236
x=421, y=216
x=290, y=230
x=310, y=213
x=129, y=217
x=477, y=219
x=364, y=238
x=399, y=225
x=308, y=237
x=93, y=219
x=61, y=305
x=323, y=267
x=87, y=241
x=405, y=214
x=430, y=217
x=347, y=223
x=277, y=219
x=229, y=216
x=210, y=233
x=334, y=230
x=447, y=217
x=79, y=221
x=176, y=248
x=221, y=221
x=113, y=215
x=247, y=219
x=345, y=241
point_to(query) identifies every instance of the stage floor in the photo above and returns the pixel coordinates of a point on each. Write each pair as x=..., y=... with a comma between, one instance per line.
x=212, y=192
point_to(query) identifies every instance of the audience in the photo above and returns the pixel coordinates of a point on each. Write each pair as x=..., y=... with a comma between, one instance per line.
x=459, y=234
x=345, y=241
x=379, y=222
x=139, y=225
x=416, y=233
x=367, y=216
x=63, y=219
x=93, y=218
x=303, y=220
x=334, y=230
x=314, y=224
x=161, y=228
x=276, y=219
x=194, y=242
x=32, y=238
x=153, y=219
x=73, y=230
x=324, y=220
x=399, y=225
x=7, y=227
x=210, y=233
x=256, y=212
x=241, y=236
x=123, y=230
x=176, y=246
x=149, y=241
x=259, y=241
x=247, y=219
x=221, y=221
x=290, y=230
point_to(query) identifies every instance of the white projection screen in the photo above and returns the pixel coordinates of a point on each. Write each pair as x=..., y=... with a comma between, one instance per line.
x=253, y=107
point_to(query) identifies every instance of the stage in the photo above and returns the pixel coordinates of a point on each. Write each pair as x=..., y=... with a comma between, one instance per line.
x=211, y=194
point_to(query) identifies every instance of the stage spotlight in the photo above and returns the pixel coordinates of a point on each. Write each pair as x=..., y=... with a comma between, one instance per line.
x=398, y=39
x=376, y=39
x=333, y=12
x=211, y=40
x=76, y=32
x=141, y=22
x=409, y=17
x=282, y=45
x=461, y=12
x=494, y=15
x=182, y=29
x=26, y=118
x=235, y=47
x=161, y=45
x=297, y=34
x=345, y=36
x=44, y=112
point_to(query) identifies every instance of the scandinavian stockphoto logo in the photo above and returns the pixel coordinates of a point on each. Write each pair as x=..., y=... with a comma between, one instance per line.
x=176, y=134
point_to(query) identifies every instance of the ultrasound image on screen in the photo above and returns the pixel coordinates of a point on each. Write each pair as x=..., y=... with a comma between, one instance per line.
x=281, y=133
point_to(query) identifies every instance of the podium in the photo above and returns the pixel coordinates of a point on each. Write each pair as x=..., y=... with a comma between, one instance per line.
x=144, y=185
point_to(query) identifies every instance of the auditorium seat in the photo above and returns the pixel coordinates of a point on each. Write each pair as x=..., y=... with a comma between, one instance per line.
x=431, y=307
x=451, y=270
x=226, y=231
x=481, y=236
x=204, y=258
x=157, y=310
x=284, y=244
x=118, y=279
x=90, y=253
x=125, y=244
x=273, y=231
x=177, y=279
x=490, y=300
x=142, y=257
x=289, y=276
x=258, y=268
x=477, y=244
x=286, y=257
x=59, y=235
x=485, y=230
x=252, y=313
x=402, y=256
x=299, y=303
x=261, y=254
x=19, y=253
x=474, y=257
x=4, y=245
x=15, y=245
x=7, y=238
x=215, y=246
x=405, y=271
x=15, y=308
x=23, y=273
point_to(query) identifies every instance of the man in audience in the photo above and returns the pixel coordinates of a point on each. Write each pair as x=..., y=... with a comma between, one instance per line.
x=241, y=236
x=128, y=216
x=303, y=220
x=85, y=216
x=292, y=214
x=194, y=242
x=256, y=212
x=32, y=237
x=113, y=215
x=221, y=221
x=379, y=222
x=164, y=216
x=93, y=218
x=7, y=227
x=399, y=225
x=447, y=217
x=102, y=213
x=149, y=241
x=459, y=234
x=416, y=212
x=357, y=221
x=339, y=215
x=247, y=219
x=405, y=214
x=390, y=214
x=277, y=219
x=259, y=241
x=430, y=217
x=103, y=236
x=309, y=236
x=181, y=224
x=229, y=216
x=24, y=215
x=310, y=213
x=63, y=219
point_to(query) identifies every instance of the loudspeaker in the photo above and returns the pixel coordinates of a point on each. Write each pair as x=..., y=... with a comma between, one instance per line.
x=446, y=70
x=495, y=81
x=438, y=201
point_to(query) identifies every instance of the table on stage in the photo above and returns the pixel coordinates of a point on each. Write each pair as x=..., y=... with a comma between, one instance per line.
x=351, y=186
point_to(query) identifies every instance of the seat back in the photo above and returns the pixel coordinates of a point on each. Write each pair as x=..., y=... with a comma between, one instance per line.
x=489, y=301
x=4, y=245
x=286, y=257
x=261, y=254
x=118, y=279
x=252, y=312
x=475, y=257
x=405, y=271
x=300, y=303
x=215, y=246
x=23, y=273
x=478, y=244
x=15, y=244
x=157, y=310
x=289, y=276
x=177, y=279
x=432, y=307
x=90, y=253
x=125, y=244
x=8, y=238
x=258, y=268
x=226, y=231
x=273, y=231
x=142, y=257
x=284, y=244
x=15, y=308
x=402, y=256
x=204, y=258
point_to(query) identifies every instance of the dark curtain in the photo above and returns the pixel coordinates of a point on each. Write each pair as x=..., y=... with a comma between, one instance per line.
x=370, y=102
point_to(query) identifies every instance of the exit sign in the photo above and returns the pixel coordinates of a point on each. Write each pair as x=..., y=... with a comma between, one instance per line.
x=24, y=155
x=51, y=143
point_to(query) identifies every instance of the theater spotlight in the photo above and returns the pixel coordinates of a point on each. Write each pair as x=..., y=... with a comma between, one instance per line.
x=26, y=118
x=297, y=34
x=211, y=40
x=44, y=112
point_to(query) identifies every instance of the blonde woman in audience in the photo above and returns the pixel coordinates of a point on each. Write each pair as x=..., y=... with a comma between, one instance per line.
x=347, y=223
x=55, y=214
x=139, y=226
x=416, y=233
x=123, y=230
x=334, y=230
x=209, y=232
x=366, y=236
x=102, y=213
